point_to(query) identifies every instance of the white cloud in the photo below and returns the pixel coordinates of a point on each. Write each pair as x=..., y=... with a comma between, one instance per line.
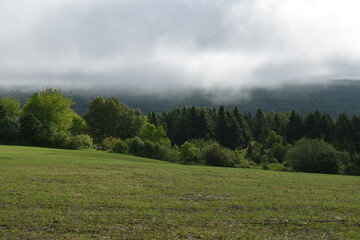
x=161, y=44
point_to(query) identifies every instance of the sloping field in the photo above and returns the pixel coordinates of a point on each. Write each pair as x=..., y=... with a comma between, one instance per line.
x=60, y=194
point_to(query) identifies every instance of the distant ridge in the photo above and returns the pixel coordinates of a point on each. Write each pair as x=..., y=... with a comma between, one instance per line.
x=336, y=97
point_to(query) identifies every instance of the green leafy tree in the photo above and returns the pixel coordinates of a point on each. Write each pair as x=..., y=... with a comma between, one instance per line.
x=52, y=108
x=314, y=155
x=10, y=106
x=9, y=129
x=47, y=117
x=152, y=133
x=276, y=147
x=110, y=118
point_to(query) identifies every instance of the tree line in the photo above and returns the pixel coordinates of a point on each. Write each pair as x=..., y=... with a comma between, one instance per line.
x=313, y=142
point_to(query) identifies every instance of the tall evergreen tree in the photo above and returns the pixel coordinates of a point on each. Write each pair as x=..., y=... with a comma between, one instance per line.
x=294, y=128
x=260, y=129
x=222, y=128
x=343, y=134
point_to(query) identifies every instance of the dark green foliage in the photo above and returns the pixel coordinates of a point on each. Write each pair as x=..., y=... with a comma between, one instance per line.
x=223, y=131
x=120, y=147
x=137, y=147
x=32, y=129
x=154, y=118
x=2, y=112
x=295, y=127
x=169, y=154
x=9, y=129
x=352, y=167
x=110, y=118
x=260, y=126
x=343, y=134
x=315, y=156
x=151, y=149
x=216, y=155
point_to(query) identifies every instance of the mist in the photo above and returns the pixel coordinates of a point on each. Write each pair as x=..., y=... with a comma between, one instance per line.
x=164, y=46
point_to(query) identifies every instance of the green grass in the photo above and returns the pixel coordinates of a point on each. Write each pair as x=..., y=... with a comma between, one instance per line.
x=60, y=194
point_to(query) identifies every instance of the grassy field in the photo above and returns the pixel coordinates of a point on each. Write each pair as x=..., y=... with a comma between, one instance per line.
x=60, y=194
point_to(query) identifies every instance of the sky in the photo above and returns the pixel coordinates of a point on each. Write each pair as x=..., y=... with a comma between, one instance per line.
x=162, y=45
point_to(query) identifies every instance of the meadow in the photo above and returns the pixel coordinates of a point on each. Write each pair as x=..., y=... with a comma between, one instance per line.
x=68, y=194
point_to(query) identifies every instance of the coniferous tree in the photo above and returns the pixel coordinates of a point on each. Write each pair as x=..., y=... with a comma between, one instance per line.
x=222, y=128
x=343, y=134
x=355, y=123
x=294, y=128
x=260, y=129
x=154, y=118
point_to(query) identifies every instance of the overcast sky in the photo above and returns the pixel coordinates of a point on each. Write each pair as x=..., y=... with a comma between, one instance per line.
x=177, y=44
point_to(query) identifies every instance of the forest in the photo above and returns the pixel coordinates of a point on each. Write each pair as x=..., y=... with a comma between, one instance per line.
x=286, y=141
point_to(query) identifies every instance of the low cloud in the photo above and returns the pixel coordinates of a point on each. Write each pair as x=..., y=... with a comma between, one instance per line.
x=161, y=45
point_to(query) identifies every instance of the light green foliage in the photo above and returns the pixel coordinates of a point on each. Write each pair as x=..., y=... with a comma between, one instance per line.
x=152, y=133
x=82, y=141
x=189, y=153
x=109, y=142
x=52, y=108
x=10, y=106
x=79, y=125
x=62, y=194
x=276, y=147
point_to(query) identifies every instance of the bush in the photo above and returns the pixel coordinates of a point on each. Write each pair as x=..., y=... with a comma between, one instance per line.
x=9, y=129
x=189, y=153
x=151, y=149
x=61, y=139
x=82, y=141
x=137, y=147
x=216, y=155
x=109, y=142
x=352, y=166
x=121, y=147
x=169, y=154
x=315, y=156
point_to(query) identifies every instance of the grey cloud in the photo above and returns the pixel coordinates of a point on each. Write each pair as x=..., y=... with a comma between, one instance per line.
x=180, y=44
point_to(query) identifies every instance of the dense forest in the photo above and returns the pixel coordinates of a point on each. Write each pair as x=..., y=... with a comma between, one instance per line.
x=334, y=98
x=312, y=142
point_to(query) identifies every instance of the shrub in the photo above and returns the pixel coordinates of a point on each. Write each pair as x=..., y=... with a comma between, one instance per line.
x=137, y=147
x=120, y=147
x=189, y=153
x=169, y=154
x=151, y=149
x=60, y=139
x=314, y=155
x=9, y=129
x=82, y=141
x=216, y=155
x=109, y=142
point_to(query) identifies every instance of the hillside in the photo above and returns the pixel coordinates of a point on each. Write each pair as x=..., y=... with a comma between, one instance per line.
x=333, y=98
x=63, y=194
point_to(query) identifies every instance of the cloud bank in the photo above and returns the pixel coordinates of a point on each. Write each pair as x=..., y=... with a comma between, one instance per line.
x=162, y=45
